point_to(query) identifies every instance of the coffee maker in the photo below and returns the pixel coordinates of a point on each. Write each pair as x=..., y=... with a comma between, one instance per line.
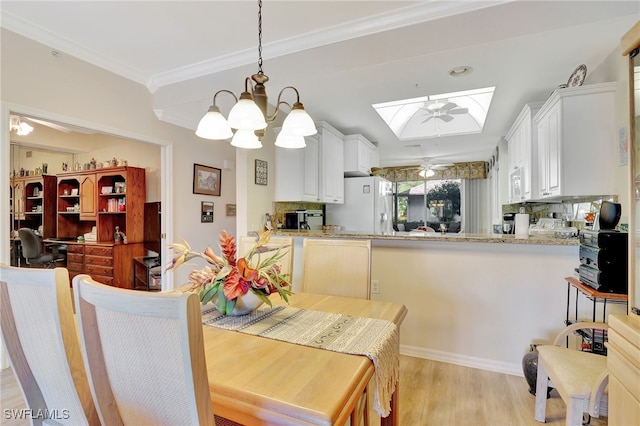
x=509, y=223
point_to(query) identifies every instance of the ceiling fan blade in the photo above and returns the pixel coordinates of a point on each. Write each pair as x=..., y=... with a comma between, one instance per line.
x=448, y=106
x=458, y=111
x=427, y=119
x=445, y=118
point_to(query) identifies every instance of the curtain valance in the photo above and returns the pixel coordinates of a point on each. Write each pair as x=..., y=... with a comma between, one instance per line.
x=468, y=170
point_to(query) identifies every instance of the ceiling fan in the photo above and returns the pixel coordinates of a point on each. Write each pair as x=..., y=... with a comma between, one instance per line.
x=429, y=166
x=443, y=110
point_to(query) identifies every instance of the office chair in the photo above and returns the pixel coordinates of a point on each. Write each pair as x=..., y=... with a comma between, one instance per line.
x=32, y=249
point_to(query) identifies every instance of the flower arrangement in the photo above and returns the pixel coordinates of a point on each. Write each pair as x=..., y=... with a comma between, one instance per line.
x=228, y=277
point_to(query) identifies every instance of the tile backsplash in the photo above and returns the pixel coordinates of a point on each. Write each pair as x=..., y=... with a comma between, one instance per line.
x=281, y=207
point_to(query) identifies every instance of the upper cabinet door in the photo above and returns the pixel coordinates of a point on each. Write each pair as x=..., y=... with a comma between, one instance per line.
x=576, y=130
x=88, y=197
x=311, y=170
x=331, y=164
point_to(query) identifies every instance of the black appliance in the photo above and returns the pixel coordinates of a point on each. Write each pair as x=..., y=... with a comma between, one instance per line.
x=603, y=260
x=509, y=223
x=609, y=215
x=296, y=220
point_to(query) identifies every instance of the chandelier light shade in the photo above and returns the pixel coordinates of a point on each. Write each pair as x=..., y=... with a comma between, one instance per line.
x=213, y=125
x=245, y=114
x=298, y=122
x=249, y=117
x=286, y=140
x=246, y=138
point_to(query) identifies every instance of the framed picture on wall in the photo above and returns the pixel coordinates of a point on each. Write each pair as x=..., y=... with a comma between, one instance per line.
x=206, y=180
x=261, y=172
x=231, y=209
x=206, y=211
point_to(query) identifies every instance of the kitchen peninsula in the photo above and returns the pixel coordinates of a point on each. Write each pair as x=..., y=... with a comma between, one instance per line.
x=477, y=300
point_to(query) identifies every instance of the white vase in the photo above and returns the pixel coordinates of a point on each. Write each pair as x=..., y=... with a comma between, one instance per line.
x=246, y=303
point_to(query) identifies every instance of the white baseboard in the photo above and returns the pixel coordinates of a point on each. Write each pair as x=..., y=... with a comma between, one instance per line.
x=463, y=360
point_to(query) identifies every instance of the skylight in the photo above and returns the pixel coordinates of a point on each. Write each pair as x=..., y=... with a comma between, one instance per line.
x=456, y=113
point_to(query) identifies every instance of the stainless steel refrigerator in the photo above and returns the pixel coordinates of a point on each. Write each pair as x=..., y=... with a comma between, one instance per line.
x=367, y=208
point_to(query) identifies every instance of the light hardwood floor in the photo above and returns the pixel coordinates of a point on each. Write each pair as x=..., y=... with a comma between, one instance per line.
x=431, y=393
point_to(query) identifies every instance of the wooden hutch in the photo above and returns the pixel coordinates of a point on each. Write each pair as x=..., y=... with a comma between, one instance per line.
x=103, y=200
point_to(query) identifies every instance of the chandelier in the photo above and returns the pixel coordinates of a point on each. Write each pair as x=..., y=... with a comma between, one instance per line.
x=249, y=115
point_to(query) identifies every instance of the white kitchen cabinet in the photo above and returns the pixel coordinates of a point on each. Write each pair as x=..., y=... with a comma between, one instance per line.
x=623, y=362
x=314, y=173
x=360, y=156
x=577, y=144
x=296, y=172
x=311, y=170
x=331, y=146
x=522, y=149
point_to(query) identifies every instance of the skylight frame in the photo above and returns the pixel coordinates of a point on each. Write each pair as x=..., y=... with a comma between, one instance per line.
x=408, y=119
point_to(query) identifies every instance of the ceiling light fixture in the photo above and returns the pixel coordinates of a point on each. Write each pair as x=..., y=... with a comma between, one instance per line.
x=426, y=172
x=249, y=115
x=21, y=128
x=460, y=71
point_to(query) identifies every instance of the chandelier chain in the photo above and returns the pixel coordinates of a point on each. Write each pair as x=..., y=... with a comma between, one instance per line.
x=260, y=37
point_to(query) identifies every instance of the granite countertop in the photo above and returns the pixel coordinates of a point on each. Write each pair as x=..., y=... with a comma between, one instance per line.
x=435, y=236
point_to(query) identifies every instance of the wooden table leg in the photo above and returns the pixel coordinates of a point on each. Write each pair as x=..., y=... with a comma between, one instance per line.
x=392, y=418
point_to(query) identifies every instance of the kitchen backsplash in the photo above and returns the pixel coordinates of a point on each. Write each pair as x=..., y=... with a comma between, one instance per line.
x=571, y=210
x=280, y=208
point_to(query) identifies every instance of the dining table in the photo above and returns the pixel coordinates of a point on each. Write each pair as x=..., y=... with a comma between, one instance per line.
x=255, y=380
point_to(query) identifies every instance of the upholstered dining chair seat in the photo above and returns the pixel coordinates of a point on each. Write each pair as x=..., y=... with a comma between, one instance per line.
x=580, y=378
x=576, y=371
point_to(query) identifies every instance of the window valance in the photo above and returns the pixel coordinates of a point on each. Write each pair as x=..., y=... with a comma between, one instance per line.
x=468, y=170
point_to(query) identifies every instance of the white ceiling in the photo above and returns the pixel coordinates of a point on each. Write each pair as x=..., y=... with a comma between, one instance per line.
x=342, y=56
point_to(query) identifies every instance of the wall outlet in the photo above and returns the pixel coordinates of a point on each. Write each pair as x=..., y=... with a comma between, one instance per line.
x=375, y=287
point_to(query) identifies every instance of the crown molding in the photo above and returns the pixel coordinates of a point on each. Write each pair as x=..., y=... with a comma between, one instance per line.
x=35, y=32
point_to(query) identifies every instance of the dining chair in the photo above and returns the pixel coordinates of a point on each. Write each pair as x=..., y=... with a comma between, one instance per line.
x=580, y=377
x=144, y=355
x=41, y=339
x=286, y=261
x=31, y=244
x=338, y=267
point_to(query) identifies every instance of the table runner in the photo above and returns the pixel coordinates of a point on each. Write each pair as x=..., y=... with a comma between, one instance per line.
x=375, y=338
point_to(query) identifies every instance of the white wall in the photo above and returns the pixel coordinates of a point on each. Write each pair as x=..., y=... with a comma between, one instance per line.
x=68, y=90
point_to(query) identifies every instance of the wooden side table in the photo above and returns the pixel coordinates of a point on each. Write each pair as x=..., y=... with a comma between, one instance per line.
x=143, y=273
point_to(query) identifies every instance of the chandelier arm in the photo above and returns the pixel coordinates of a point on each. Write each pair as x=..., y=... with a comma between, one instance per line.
x=247, y=84
x=272, y=117
x=225, y=91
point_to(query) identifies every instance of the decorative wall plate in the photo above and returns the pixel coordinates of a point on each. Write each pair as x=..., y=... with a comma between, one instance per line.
x=578, y=76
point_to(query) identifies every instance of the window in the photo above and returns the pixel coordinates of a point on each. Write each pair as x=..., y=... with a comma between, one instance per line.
x=427, y=201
